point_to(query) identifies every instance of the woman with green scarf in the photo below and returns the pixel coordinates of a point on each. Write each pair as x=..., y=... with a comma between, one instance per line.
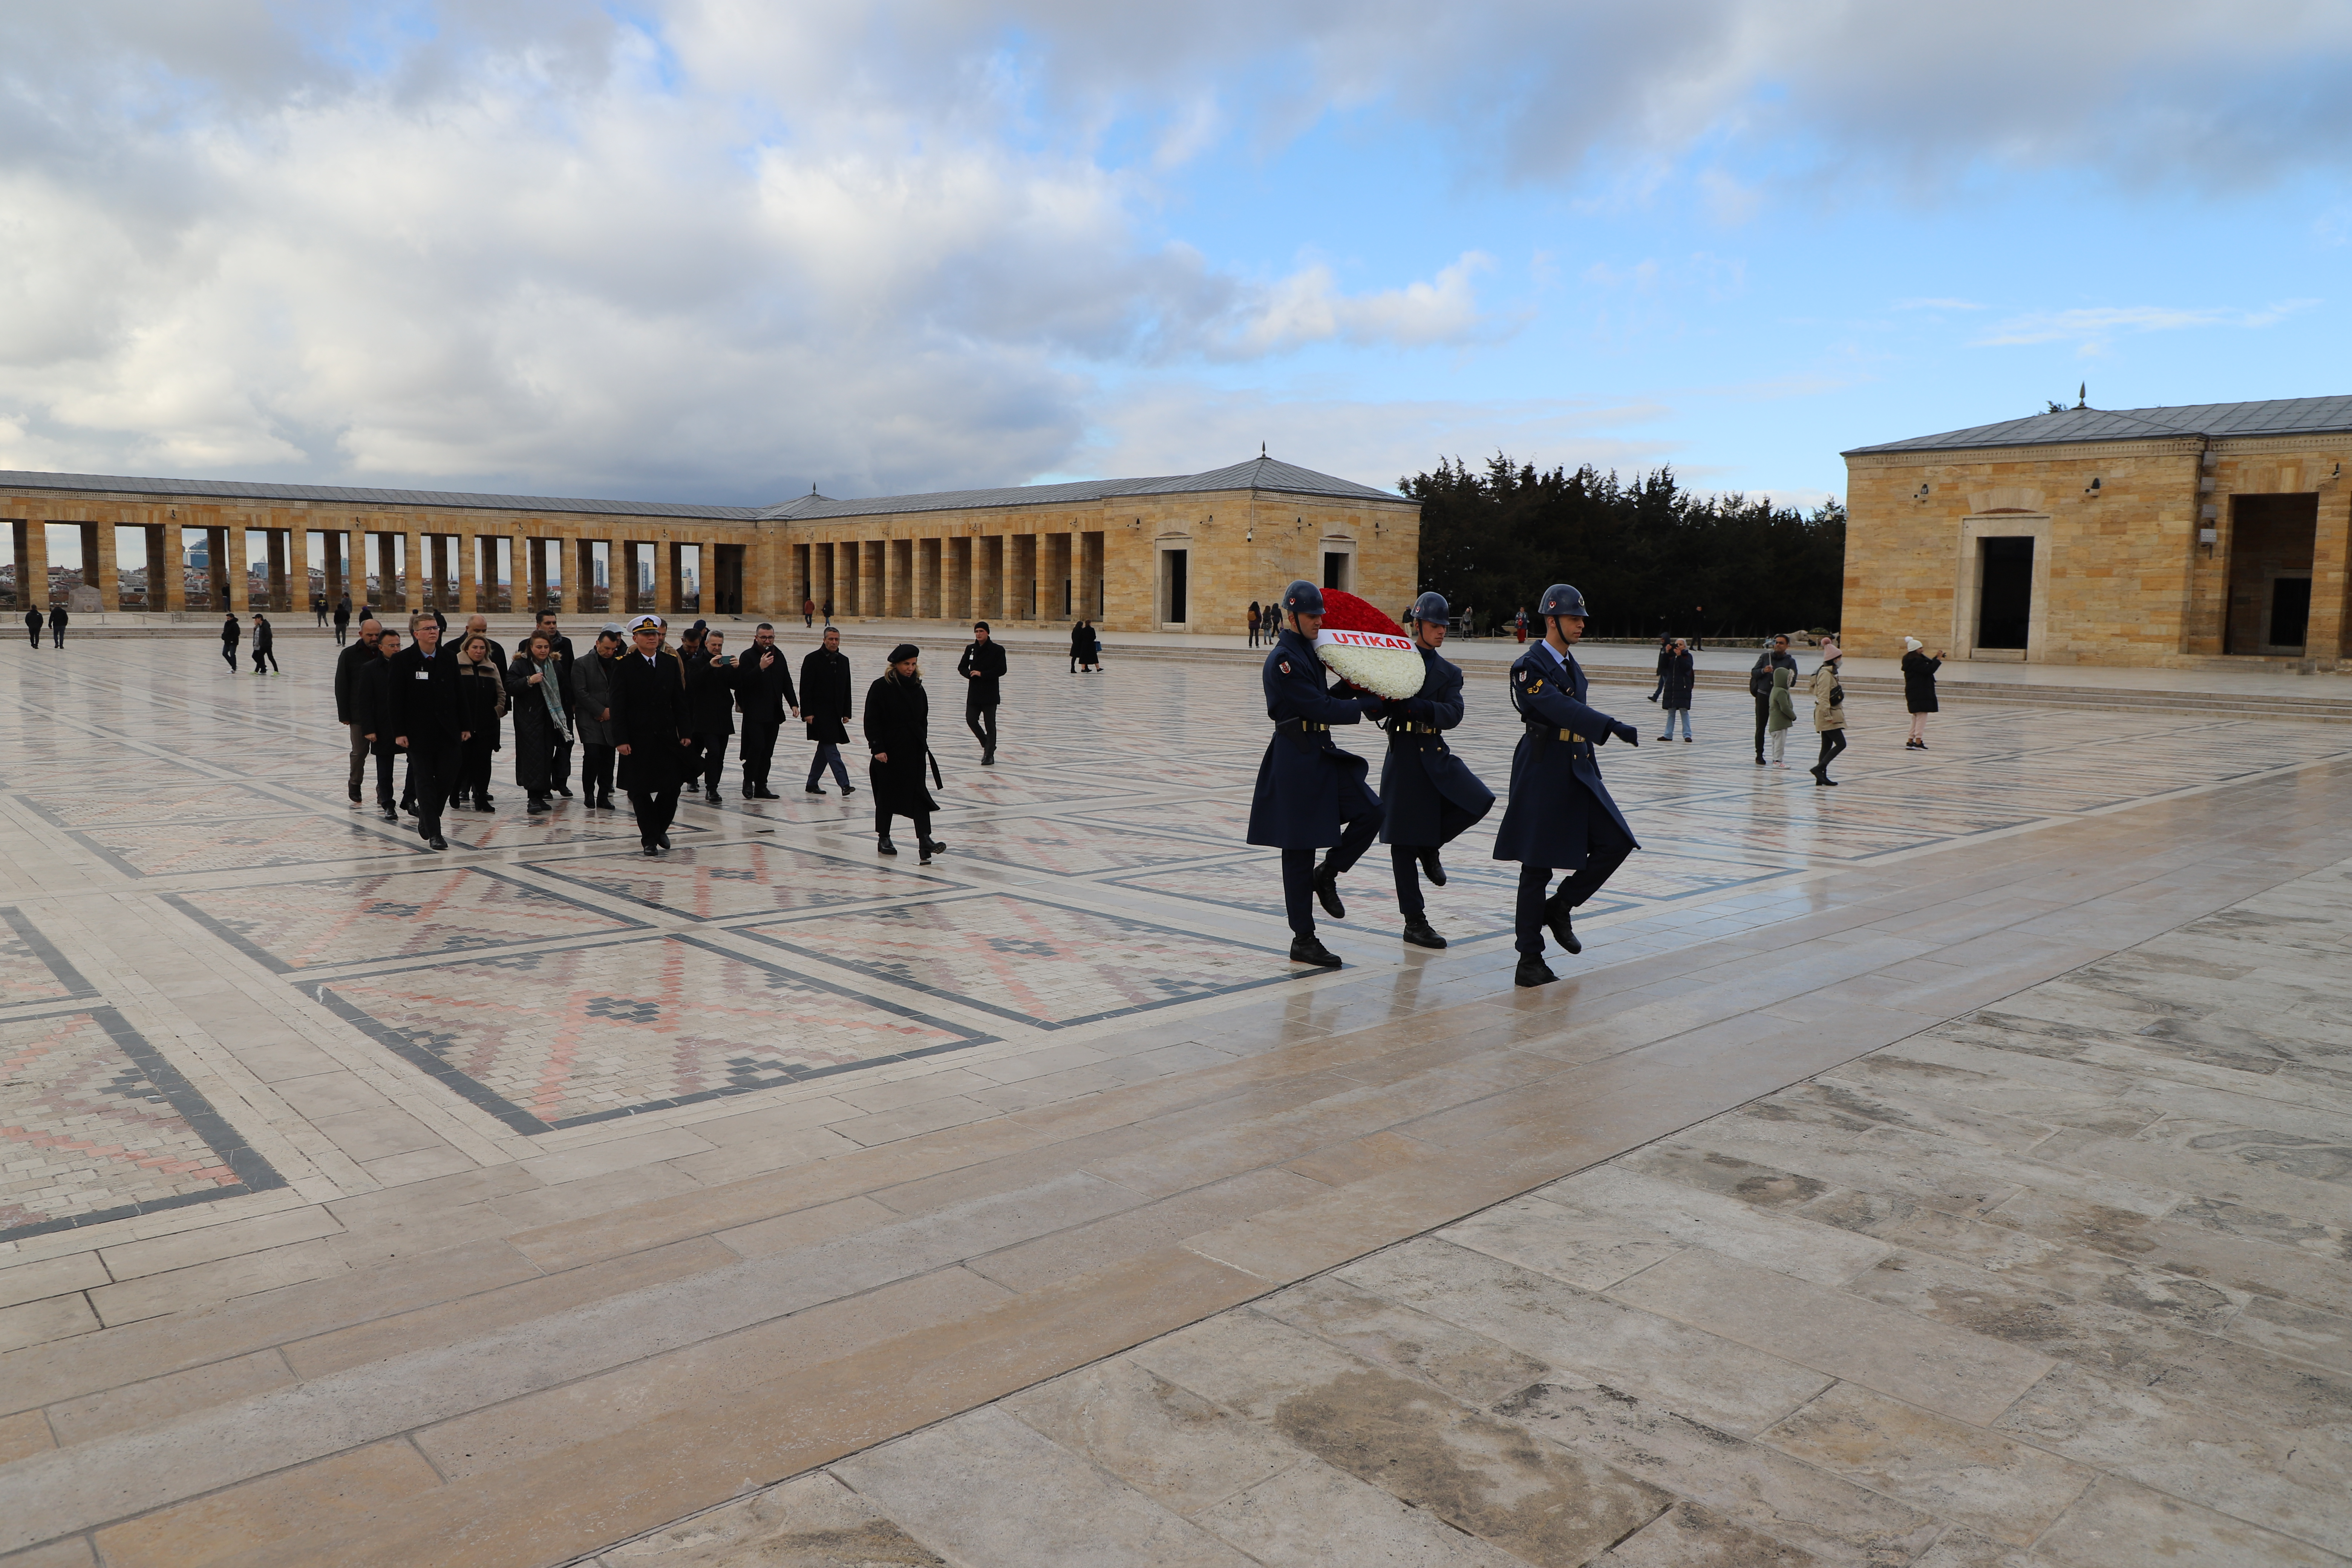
x=541, y=684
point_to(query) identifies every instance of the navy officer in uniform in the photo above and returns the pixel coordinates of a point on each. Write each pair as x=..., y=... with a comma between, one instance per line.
x=1310, y=794
x=1428, y=795
x=1561, y=816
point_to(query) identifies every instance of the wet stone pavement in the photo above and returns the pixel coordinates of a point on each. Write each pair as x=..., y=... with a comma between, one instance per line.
x=1949, y=1169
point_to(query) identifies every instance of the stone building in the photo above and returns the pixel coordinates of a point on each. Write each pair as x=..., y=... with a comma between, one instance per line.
x=1184, y=553
x=2214, y=532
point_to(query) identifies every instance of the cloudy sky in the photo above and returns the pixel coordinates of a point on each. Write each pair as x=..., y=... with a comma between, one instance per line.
x=715, y=250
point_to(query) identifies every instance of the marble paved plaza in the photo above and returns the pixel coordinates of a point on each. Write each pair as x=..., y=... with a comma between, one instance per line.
x=1952, y=1168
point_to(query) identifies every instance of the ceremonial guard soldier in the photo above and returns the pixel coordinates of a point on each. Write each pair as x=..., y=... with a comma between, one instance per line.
x=1561, y=816
x=1428, y=795
x=1310, y=794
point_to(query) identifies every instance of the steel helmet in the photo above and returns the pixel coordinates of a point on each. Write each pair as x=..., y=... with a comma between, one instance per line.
x=1304, y=598
x=1430, y=606
x=1560, y=599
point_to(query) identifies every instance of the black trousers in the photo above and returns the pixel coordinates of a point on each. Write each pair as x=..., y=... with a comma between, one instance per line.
x=656, y=809
x=1606, y=849
x=474, y=777
x=57, y=636
x=883, y=814
x=432, y=779
x=1404, y=860
x=559, y=771
x=260, y=654
x=37, y=635
x=596, y=771
x=1299, y=869
x=1763, y=713
x=360, y=745
x=228, y=652
x=1832, y=742
x=758, y=751
x=974, y=718
x=709, y=762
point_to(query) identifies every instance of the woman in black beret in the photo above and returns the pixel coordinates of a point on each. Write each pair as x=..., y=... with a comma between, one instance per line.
x=898, y=733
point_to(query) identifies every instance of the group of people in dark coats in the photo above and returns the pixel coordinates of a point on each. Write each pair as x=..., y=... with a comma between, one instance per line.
x=57, y=621
x=1313, y=796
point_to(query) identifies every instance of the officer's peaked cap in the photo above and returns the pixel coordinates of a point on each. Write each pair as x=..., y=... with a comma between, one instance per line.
x=1560, y=599
x=1304, y=598
x=1431, y=606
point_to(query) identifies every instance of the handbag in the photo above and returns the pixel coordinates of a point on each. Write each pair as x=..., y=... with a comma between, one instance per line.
x=1837, y=695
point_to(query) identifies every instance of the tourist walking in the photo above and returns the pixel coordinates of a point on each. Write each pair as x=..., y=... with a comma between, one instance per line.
x=983, y=667
x=429, y=719
x=1520, y=624
x=1776, y=656
x=808, y=612
x=58, y=619
x=1428, y=795
x=1919, y=689
x=1561, y=816
x=711, y=677
x=482, y=694
x=1310, y=795
x=1828, y=712
x=763, y=695
x=539, y=685
x=1252, y=625
x=898, y=734
x=1681, y=681
x=1086, y=648
x=33, y=624
x=371, y=707
x=828, y=609
x=348, y=665
x=1783, y=719
x=342, y=619
x=231, y=635
x=592, y=697
x=319, y=609
x=265, y=643
x=825, y=709
x=649, y=720
x=1665, y=657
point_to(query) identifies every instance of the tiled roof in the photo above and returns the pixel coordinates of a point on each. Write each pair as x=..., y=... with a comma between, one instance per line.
x=1259, y=473
x=2277, y=416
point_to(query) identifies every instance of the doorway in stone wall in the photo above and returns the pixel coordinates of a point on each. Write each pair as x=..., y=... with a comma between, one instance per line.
x=2270, y=548
x=2004, y=593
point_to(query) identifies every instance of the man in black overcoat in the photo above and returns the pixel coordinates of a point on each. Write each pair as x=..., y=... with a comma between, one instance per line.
x=1429, y=796
x=58, y=619
x=982, y=667
x=824, y=708
x=764, y=694
x=711, y=674
x=649, y=717
x=428, y=718
x=348, y=665
x=898, y=735
x=371, y=706
x=1560, y=814
x=33, y=624
x=1310, y=794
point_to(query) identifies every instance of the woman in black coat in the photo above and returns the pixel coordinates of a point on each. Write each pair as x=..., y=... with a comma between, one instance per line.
x=1677, y=679
x=1919, y=689
x=898, y=733
x=482, y=693
x=539, y=685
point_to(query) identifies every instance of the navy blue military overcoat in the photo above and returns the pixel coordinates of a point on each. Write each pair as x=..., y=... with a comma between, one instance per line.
x=1306, y=786
x=1428, y=794
x=1555, y=780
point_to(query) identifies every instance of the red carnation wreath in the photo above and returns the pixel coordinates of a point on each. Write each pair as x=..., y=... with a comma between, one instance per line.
x=1366, y=648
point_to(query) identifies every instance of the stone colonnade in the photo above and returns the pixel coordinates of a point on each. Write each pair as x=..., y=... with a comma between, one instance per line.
x=1016, y=578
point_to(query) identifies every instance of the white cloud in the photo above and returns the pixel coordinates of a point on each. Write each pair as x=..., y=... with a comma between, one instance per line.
x=2089, y=324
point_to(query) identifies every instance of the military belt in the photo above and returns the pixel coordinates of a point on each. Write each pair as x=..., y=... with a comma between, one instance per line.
x=1406, y=727
x=1303, y=724
x=1548, y=732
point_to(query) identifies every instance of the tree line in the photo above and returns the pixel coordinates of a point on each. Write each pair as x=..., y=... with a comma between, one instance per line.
x=1649, y=555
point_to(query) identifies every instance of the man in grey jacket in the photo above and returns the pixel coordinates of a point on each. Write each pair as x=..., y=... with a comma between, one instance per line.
x=591, y=713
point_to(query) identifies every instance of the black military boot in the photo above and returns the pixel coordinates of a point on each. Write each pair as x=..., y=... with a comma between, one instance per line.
x=1327, y=892
x=1556, y=915
x=884, y=847
x=1310, y=950
x=1533, y=971
x=1431, y=868
x=1421, y=933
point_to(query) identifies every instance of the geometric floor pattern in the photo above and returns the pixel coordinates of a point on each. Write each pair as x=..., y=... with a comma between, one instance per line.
x=1027, y=959
x=579, y=1035
x=96, y=1126
x=720, y=882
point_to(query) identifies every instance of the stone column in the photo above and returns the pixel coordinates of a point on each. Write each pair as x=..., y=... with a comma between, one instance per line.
x=869, y=578
x=988, y=578
x=927, y=604
x=2325, y=638
x=32, y=566
x=298, y=570
x=240, y=598
x=167, y=588
x=665, y=579
x=1090, y=575
x=98, y=569
x=1020, y=579
x=959, y=573
x=274, y=583
x=1055, y=591
x=412, y=569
